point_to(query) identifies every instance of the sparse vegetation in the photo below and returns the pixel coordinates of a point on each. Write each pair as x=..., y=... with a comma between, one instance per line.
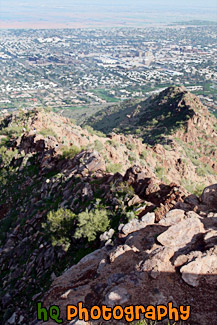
x=94, y=132
x=70, y=152
x=7, y=155
x=113, y=168
x=98, y=146
x=48, y=132
x=160, y=171
x=193, y=188
x=144, y=154
x=92, y=223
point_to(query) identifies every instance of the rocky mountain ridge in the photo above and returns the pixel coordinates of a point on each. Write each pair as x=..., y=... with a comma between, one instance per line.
x=188, y=157
x=54, y=173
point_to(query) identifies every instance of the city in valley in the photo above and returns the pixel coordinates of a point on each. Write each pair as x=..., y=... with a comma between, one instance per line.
x=82, y=70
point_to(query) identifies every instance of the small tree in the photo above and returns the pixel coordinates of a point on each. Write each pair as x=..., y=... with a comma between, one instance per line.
x=61, y=224
x=7, y=155
x=91, y=223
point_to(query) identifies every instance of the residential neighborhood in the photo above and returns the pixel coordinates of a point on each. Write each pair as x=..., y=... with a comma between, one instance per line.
x=82, y=68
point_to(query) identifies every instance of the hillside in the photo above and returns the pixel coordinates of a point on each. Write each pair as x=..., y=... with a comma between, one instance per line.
x=155, y=118
x=176, y=120
x=189, y=157
x=63, y=186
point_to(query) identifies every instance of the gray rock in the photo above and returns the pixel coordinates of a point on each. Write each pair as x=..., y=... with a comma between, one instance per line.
x=12, y=319
x=172, y=217
x=120, y=227
x=158, y=261
x=120, y=250
x=200, y=266
x=181, y=234
x=107, y=235
x=117, y=296
x=136, y=224
x=210, y=238
x=101, y=266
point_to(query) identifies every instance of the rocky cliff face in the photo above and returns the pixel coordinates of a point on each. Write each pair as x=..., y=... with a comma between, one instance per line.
x=49, y=165
x=174, y=260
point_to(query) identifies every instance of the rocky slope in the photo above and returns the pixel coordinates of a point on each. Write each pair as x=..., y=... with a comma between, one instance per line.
x=188, y=157
x=157, y=117
x=54, y=173
x=151, y=263
x=177, y=120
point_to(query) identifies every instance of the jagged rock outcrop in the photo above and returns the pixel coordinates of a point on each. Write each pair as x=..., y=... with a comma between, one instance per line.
x=157, y=232
x=152, y=265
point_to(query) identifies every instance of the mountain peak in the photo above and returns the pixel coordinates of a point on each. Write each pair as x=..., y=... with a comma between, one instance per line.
x=156, y=118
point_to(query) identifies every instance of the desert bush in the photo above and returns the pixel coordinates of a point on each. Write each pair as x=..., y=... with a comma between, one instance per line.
x=47, y=132
x=90, y=224
x=11, y=131
x=113, y=168
x=94, y=132
x=160, y=171
x=60, y=225
x=130, y=145
x=7, y=155
x=70, y=152
x=98, y=146
x=201, y=171
x=132, y=157
x=113, y=143
x=124, y=189
x=193, y=188
x=144, y=154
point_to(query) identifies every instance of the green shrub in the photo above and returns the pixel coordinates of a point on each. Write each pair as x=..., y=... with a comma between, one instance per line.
x=193, y=188
x=98, y=146
x=138, y=131
x=144, y=154
x=132, y=157
x=92, y=223
x=210, y=170
x=7, y=155
x=113, y=143
x=47, y=132
x=61, y=224
x=130, y=145
x=160, y=171
x=113, y=168
x=201, y=171
x=124, y=189
x=12, y=130
x=3, y=176
x=131, y=215
x=94, y=132
x=70, y=152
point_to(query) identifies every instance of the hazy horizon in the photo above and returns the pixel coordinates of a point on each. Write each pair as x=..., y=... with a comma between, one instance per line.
x=96, y=13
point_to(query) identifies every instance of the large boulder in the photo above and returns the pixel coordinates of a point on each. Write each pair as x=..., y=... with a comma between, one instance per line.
x=136, y=224
x=182, y=233
x=172, y=217
x=209, y=197
x=196, y=269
